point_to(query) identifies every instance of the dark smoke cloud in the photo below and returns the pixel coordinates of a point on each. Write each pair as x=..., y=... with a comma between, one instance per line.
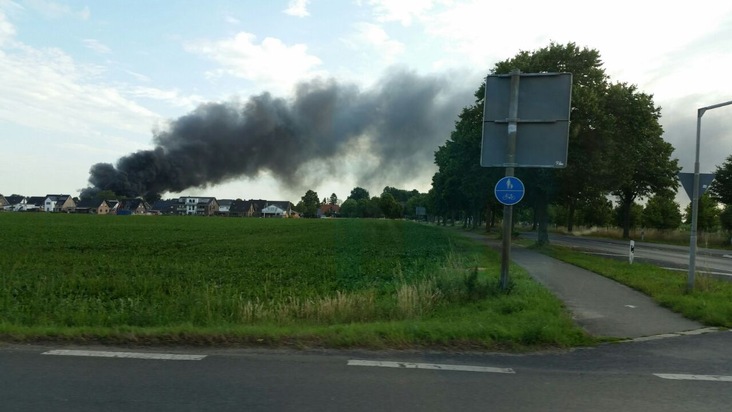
x=404, y=119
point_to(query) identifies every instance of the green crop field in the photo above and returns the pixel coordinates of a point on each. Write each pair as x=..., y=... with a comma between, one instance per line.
x=328, y=282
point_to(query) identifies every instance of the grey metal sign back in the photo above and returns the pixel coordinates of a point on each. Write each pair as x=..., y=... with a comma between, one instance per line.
x=542, y=124
x=687, y=181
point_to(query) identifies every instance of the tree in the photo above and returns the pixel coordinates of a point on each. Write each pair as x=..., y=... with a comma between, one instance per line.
x=349, y=208
x=707, y=213
x=636, y=216
x=584, y=175
x=418, y=200
x=333, y=200
x=369, y=208
x=641, y=161
x=721, y=188
x=662, y=212
x=359, y=193
x=310, y=204
x=725, y=218
x=390, y=207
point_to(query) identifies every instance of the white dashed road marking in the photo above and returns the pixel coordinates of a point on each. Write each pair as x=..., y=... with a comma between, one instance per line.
x=431, y=366
x=674, y=335
x=131, y=355
x=682, y=377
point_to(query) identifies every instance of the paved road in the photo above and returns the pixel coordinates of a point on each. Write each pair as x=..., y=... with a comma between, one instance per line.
x=616, y=377
x=714, y=261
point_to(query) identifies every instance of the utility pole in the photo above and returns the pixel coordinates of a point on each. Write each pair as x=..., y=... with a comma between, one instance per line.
x=695, y=197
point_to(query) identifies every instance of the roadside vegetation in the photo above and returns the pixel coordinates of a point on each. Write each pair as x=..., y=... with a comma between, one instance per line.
x=306, y=282
x=710, y=303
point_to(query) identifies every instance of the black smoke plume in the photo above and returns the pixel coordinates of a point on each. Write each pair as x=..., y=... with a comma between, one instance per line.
x=401, y=121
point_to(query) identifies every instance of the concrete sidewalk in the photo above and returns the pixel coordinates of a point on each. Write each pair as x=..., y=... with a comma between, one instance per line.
x=601, y=306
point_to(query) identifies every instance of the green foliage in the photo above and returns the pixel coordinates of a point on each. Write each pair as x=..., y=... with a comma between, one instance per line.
x=721, y=188
x=587, y=163
x=390, y=207
x=725, y=218
x=662, y=212
x=418, y=200
x=707, y=215
x=359, y=193
x=333, y=199
x=349, y=208
x=641, y=159
x=310, y=204
x=615, y=147
x=631, y=219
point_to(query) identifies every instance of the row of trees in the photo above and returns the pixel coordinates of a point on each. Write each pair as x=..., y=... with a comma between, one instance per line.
x=616, y=149
x=393, y=203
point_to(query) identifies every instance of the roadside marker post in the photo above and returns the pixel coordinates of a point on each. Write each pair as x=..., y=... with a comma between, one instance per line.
x=631, y=252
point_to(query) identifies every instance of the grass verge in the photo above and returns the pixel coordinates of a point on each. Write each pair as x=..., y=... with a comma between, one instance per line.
x=710, y=303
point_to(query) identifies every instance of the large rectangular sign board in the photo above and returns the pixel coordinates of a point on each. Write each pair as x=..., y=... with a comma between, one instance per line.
x=542, y=125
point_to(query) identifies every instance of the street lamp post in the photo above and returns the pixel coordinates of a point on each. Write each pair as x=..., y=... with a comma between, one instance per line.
x=695, y=196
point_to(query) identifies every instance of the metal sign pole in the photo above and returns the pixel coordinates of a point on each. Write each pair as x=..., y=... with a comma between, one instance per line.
x=695, y=197
x=510, y=160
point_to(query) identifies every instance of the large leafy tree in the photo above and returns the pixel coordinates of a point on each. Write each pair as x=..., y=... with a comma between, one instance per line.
x=359, y=193
x=721, y=189
x=641, y=161
x=390, y=207
x=461, y=187
x=310, y=204
x=707, y=214
x=583, y=177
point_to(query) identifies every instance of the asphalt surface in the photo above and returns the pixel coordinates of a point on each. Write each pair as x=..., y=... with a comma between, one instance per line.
x=716, y=262
x=603, y=307
x=611, y=377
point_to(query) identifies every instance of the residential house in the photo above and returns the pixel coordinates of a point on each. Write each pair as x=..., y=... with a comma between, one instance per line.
x=34, y=203
x=224, y=206
x=93, y=206
x=132, y=207
x=165, y=207
x=204, y=206
x=15, y=203
x=283, y=205
x=3, y=202
x=59, y=203
x=113, y=205
x=247, y=208
x=329, y=210
x=273, y=211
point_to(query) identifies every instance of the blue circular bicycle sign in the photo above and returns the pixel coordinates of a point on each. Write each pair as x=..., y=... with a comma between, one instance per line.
x=509, y=190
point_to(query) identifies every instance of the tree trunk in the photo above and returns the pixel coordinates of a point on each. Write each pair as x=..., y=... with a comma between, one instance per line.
x=542, y=217
x=570, y=215
x=626, y=217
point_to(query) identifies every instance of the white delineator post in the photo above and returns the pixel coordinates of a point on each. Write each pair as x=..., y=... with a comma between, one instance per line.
x=631, y=252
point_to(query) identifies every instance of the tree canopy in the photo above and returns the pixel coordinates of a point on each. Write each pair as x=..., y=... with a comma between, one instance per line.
x=615, y=148
x=310, y=203
x=721, y=189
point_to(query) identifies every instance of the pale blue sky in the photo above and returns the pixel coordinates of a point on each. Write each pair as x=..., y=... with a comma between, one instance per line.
x=86, y=82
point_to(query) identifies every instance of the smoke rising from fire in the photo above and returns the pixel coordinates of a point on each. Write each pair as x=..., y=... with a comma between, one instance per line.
x=402, y=120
